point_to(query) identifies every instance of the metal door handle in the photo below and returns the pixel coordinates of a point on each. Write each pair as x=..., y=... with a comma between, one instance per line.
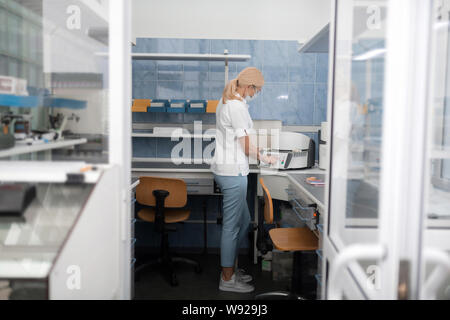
x=350, y=254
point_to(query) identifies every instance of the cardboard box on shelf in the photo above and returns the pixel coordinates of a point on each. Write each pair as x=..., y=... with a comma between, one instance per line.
x=140, y=105
x=12, y=85
x=211, y=106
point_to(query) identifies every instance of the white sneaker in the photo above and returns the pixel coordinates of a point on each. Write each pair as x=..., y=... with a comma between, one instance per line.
x=240, y=273
x=235, y=285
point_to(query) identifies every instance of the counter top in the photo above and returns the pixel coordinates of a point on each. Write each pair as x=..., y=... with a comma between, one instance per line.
x=317, y=193
x=167, y=166
x=30, y=245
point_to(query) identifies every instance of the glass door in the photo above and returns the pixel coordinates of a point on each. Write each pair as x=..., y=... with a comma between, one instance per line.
x=374, y=236
x=357, y=123
x=435, y=259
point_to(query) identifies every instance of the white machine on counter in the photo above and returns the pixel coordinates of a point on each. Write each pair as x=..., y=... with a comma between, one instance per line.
x=323, y=146
x=294, y=151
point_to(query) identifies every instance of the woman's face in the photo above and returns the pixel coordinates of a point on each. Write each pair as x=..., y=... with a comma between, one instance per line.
x=252, y=90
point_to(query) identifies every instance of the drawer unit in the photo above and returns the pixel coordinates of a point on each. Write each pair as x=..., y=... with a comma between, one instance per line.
x=306, y=214
x=132, y=241
x=199, y=182
x=133, y=225
x=294, y=193
x=132, y=266
x=200, y=189
x=196, y=106
x=303, y=207
x=319, y=286
x=159, y=105
x=199, y=186
x=177, y=106
x=320, y=259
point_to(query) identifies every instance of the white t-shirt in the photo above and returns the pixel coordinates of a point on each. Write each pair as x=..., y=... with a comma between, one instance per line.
x=233, y=121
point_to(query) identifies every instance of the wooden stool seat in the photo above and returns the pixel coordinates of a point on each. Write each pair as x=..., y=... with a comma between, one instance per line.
x=293, y=239
x=170, y=215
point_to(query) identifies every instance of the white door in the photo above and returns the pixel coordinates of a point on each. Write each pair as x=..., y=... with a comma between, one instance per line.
x=434, y=269
x=377, y=110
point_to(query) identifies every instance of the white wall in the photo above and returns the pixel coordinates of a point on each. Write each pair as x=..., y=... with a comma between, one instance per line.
x=231, y=19
x=93, y=119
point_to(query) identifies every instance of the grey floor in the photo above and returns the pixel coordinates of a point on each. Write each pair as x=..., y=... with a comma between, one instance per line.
x=205, y=286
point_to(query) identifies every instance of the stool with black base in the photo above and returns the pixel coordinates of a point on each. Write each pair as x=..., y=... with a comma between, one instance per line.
x=301, y=241
x=163, y=200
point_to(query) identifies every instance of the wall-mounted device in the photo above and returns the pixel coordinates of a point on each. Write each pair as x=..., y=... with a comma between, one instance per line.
x=323, y=145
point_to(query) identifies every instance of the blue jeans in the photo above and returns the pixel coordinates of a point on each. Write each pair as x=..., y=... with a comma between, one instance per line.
x=236, y=216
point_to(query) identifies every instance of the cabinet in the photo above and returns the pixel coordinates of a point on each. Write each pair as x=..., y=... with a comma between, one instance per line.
x=134, y=184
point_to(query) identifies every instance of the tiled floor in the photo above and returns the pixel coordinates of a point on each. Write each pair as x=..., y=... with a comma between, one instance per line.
x=205, y=286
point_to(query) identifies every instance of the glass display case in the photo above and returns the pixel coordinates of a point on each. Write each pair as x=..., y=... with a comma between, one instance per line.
x=53, y=81
x=60, y=105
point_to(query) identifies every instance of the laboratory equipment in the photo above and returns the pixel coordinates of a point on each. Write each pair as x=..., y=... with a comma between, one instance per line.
x=59, y=122
x=294, y=151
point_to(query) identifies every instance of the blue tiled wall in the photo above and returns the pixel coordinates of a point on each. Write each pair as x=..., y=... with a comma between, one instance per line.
x=295, y=90
x=359, y=70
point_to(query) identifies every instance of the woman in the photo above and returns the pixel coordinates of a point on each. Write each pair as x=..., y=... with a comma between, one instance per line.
x=230, y=168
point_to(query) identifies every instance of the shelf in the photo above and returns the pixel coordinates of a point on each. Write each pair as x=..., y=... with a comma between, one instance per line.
x=185, y=56
x=46, y=171
x=319, y=43
x=190, y=57
x=64, y=103
x=168, y=160
x=169, y=135
x=40, y=147
x=10, y=100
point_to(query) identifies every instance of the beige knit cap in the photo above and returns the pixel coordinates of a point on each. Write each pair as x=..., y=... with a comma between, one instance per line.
x=250, y=76
x=247, y=77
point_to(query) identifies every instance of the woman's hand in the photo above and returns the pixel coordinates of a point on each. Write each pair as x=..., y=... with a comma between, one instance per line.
x=269, y=159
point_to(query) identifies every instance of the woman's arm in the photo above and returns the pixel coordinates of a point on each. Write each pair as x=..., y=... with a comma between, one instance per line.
x=251, y=150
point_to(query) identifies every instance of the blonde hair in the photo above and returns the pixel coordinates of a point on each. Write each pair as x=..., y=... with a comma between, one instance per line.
x=247, y=77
